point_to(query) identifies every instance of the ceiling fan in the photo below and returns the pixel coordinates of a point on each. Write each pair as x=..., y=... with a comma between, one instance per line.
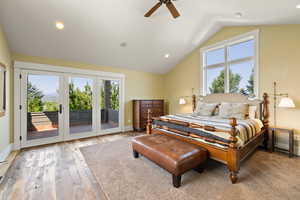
x=168, y=4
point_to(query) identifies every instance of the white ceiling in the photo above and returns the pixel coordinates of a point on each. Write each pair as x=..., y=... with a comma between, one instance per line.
x=94, y=29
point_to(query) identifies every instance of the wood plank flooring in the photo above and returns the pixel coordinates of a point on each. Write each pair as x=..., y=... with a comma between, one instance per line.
x=4, y=166
x=56, y=171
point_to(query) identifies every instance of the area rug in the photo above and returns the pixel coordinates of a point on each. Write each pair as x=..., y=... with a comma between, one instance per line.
x=262, y=176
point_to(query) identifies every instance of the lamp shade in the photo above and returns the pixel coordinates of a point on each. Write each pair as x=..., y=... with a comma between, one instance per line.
x=182, y=101
x=286, y=102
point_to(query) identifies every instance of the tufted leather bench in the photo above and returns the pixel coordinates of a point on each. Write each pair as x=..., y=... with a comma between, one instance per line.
x=172, y=154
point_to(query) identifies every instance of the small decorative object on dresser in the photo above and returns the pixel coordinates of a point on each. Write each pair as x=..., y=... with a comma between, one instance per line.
x=140, y=112
x=290, y=151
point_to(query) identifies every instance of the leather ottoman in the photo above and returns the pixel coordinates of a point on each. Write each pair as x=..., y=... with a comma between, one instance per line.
x=172, y=154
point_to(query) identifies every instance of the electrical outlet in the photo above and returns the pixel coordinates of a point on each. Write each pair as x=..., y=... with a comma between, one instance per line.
x=297, y=137
x=129, y=121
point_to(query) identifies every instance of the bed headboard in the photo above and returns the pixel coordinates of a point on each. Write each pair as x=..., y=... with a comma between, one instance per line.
x=262, y=105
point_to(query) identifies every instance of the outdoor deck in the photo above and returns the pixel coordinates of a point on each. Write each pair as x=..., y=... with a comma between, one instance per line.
x=45, y=124
x=32, y=135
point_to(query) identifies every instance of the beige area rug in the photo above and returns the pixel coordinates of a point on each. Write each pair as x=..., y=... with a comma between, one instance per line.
x=263, y=176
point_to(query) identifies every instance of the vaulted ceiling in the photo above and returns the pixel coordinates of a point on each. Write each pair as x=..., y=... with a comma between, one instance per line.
x=94, y=29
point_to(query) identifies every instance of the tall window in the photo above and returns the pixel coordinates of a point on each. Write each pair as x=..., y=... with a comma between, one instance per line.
x=231, y=66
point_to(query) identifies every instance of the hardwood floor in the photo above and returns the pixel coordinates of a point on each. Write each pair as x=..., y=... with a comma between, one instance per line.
x=56, y=171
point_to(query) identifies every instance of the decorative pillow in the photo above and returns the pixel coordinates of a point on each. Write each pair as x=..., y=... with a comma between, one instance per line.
x=237, y=110
x=252, y=112
x=205, y=109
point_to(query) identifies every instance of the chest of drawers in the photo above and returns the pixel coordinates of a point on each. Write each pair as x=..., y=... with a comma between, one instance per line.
x=140, y=112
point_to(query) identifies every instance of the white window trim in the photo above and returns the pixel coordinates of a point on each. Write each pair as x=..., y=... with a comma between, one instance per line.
x=234, y=40
x=52, y=68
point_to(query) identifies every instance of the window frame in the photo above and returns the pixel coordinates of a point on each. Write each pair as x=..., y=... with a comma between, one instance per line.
x=253, y=35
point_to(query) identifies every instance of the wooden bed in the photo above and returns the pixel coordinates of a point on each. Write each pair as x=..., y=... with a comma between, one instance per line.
x=233, y=155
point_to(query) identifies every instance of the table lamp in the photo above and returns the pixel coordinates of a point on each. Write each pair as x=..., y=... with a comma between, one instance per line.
x=182, y=101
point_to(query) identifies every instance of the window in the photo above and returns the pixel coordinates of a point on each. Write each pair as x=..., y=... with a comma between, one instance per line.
x=231, y=66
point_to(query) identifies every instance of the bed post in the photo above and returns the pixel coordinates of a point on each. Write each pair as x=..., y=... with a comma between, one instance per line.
x=149, y=123
x=194, y=102
x=233, y=159
x=266, y=112
x=265, y=119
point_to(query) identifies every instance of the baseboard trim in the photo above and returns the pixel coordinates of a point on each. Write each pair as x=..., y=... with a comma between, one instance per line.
x=6, y=165
x=128, y=128
x=5, y=153
x=286, y=146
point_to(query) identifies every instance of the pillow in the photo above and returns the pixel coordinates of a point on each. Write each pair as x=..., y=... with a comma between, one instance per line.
x=205, y=109
x=237, y=110
x=252, y=112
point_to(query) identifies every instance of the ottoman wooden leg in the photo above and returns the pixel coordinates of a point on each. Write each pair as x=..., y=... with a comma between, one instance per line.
x=199, y=169
x=135, y=154
x=176, y=181
x=233, y=177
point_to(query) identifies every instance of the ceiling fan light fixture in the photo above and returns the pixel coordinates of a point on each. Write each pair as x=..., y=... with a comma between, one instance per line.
x=167, y=55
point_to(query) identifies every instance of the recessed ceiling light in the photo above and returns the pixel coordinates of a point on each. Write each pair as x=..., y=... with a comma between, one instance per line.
x=167, y=55
x=238, y=15
x=298, y=6
x=59, y=25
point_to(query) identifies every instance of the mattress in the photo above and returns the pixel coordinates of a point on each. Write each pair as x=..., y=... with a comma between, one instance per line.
x=246, y=129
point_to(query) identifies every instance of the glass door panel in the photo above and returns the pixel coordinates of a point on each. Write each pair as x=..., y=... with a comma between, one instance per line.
x=109, y=104
x=80, y=105
x=43, y=106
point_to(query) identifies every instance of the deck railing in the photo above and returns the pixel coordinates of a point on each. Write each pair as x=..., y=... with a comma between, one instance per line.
x=39, y=121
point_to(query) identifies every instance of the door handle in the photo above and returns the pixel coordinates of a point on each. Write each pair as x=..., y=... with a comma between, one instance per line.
x=60, y=108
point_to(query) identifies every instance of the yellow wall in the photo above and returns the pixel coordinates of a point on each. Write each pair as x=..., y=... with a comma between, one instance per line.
x=279, y=60
x=138, y=85
x=5, y=121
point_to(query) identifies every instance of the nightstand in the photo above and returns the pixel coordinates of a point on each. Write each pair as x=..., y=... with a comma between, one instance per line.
x=290, y=151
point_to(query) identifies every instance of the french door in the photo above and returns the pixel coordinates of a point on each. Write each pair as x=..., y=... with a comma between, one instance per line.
x=42, y=108
x=65, y=106
x=110, y=105
x=80, y=107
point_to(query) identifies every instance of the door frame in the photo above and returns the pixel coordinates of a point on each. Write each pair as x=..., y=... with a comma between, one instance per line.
x=66, y=71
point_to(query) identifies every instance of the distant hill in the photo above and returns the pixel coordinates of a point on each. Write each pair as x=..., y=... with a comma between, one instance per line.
x=50, y=97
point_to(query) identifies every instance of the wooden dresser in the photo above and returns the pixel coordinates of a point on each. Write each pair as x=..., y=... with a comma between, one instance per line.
x=140, y=110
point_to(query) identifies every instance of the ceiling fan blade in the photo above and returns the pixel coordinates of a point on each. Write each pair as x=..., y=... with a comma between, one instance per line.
x=172, y=9
x=152, y=10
